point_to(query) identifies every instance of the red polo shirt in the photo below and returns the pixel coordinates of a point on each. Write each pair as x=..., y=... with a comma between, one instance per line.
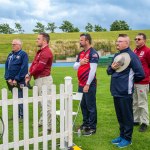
x=41, y=65
x=144, y=55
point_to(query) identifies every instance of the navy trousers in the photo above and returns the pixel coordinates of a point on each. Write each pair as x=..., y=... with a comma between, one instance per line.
x=88, y=107
x=20, y=95
x=124, y=112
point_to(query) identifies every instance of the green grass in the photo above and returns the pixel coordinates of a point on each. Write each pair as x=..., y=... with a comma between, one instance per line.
x=107, y=127
x=67, y=40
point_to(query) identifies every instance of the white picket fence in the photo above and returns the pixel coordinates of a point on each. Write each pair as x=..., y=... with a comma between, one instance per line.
x=65, y=133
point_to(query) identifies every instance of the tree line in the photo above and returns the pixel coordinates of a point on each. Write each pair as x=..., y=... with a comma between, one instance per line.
x=66, y=26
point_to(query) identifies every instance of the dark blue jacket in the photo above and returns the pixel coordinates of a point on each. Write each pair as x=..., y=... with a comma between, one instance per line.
x=122, y=82
x=16, y=66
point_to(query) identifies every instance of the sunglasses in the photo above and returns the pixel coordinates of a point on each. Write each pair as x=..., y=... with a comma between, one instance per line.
x=137, y=39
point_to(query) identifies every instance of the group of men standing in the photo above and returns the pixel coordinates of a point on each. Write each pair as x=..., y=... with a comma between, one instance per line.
x=129, y=72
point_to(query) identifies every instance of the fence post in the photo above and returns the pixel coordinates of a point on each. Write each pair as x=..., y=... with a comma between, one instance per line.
x=53, y=121
x=44, y=109
x=5, y=118
x=35, y=117
x=25, y=118
x=62, y=117
x=68, y=83
x=15, y=119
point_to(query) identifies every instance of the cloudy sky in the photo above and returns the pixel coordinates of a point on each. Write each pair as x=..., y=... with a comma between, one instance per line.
x=78, y=12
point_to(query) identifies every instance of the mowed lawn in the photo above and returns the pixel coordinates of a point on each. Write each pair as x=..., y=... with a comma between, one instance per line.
x=107, y=126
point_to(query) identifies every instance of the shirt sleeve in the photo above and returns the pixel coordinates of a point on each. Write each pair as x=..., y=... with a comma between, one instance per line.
x=93, y=67
x=77, y=63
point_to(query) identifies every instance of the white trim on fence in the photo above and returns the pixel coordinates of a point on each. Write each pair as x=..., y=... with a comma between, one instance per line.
x=65, y=135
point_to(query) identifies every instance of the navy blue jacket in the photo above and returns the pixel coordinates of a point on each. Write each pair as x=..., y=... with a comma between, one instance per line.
x=16, y=66
x=122, y=82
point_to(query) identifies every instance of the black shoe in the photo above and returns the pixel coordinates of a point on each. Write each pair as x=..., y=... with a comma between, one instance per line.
x=89, y=132
x=82, y=127
x=136, y=123
x=143, y=127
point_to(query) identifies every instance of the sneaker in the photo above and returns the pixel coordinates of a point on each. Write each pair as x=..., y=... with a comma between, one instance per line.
x=116, y=140
x=124, y=143
x=136, y=123
x=89, y=132
x=143, y=127
x=82, y=127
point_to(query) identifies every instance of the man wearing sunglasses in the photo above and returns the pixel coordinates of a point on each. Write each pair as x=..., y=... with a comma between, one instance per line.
x=140, y=101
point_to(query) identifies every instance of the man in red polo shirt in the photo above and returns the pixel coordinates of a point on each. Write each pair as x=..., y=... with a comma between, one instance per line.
x=140, y=97
x=41, y=69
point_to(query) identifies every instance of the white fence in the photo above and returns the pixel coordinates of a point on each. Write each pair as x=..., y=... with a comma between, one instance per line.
x=34, y=140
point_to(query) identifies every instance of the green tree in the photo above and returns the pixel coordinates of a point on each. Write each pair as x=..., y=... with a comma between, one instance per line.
x=51, y=27
x=5, y=29
x=119, y=25
x=18, y=28
x=89, y=27
x=39, y=28
x=76, y=29
x=68, y=27
x=98, y=28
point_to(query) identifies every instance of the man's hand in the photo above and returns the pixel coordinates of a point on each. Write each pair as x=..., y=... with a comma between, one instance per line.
x=84, y=61
x=27, y=78
x=115, y=66
x=86, y=88
x=14, y=82
x=10, y=82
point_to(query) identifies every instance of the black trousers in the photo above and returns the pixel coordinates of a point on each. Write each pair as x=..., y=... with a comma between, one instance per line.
x=124, y=112
x=88, y=107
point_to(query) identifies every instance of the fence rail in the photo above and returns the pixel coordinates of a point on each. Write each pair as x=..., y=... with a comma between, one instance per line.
x=65, y=98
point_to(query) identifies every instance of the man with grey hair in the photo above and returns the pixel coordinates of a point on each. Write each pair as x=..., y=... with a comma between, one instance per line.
x=123, y=76
x=16, y=67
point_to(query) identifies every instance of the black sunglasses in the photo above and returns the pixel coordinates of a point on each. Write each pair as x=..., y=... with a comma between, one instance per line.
x=137, y=39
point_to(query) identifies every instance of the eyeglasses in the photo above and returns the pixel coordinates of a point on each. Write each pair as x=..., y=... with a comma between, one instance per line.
x=137, y=39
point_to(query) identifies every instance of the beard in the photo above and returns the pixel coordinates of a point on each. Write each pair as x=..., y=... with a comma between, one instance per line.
x=81, y=45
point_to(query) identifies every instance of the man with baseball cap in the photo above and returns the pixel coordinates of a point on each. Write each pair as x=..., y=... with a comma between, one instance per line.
x=124, y=70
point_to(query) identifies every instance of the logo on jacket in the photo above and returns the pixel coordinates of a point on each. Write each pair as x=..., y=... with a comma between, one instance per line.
x=18, y=57
x=141, y=54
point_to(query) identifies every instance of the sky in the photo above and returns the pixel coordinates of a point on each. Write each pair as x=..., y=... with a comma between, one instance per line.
x=78, y=12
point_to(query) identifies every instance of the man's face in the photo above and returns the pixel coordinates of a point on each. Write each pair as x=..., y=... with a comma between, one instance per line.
x=40, y=40
x=121, y=43
x=139, y=41
x=16, y=46
x=83, y=41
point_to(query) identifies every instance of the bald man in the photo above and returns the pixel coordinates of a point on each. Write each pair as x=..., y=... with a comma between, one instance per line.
x=16, y=67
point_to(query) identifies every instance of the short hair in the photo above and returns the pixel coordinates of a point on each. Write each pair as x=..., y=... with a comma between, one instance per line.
x=122, y=35
x=46, y=36
x=87, y=37
x=142, y=34
x=126, y=37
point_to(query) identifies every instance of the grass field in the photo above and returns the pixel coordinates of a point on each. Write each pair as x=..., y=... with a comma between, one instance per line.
x=64, y=43
x=107, y=127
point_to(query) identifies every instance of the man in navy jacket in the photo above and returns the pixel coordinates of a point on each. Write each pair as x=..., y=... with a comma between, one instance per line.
x=16, y=67
x=124, y=73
